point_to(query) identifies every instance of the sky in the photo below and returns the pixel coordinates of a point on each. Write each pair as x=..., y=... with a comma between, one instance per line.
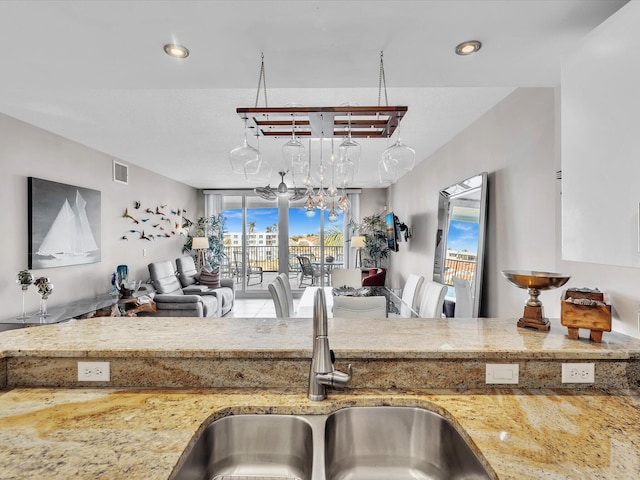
x=463, y=236
x=299, y=223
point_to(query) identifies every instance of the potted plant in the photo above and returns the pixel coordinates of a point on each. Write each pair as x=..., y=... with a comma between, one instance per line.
x=374, y=230
x=213, y=228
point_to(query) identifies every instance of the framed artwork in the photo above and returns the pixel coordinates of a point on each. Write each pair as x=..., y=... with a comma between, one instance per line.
x=64, y=224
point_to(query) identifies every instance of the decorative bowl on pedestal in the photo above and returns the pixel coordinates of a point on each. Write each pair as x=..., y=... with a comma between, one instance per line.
x=534, y=282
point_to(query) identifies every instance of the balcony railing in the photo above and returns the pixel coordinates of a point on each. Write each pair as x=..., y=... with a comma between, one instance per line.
x=458, y=268
x=267, y=256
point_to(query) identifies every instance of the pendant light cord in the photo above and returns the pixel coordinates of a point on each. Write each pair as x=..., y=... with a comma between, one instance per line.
x=262, y=81
x=382, y=81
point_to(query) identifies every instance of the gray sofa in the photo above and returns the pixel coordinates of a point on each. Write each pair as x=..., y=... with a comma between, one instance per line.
x=189, y=279
x=174, y=301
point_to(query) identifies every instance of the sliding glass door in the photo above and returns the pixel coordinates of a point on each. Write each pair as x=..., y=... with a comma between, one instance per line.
x=264, y=238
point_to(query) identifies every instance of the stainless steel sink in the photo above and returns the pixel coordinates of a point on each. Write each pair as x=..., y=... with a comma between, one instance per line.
x=256, y=447
x=371, y=443
x=357, y=443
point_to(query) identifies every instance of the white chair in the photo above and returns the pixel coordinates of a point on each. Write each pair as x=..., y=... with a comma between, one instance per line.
x=432, y=300
x=283, y=278
x=346, y=277
x=279, y=299
x=359, y=307
x=464, y=299
x=410, y=294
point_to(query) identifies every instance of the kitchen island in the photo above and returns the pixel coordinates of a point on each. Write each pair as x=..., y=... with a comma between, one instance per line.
x=539, y=428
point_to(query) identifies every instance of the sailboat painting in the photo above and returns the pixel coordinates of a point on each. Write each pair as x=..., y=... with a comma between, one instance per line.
x=64, y=224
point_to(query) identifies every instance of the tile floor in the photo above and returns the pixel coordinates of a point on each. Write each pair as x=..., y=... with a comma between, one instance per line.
x=252, y=307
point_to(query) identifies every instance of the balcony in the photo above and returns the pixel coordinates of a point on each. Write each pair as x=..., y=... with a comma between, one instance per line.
x=266, y=258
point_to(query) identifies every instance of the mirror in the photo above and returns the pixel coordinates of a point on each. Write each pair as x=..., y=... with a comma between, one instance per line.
x=460, y=242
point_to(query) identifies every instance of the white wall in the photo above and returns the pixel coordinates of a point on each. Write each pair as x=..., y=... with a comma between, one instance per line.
x=28, y=151
x=514, y=143
x=518, y=144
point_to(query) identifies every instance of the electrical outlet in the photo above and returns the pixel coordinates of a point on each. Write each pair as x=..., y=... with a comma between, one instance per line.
x=93, y=372
x=578, y=373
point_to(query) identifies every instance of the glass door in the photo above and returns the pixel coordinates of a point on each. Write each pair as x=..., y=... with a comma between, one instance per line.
x=264, y=238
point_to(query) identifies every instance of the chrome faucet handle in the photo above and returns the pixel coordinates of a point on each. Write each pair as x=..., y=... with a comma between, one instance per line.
x=335, y=378
x=342, y=379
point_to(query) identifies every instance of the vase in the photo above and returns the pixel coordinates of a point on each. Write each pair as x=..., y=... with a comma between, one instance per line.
x=122, y=273
x=45, y=288
x=25, y=278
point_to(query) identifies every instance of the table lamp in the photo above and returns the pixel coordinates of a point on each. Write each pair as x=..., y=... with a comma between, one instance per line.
x=359, y=242
x=200, y=244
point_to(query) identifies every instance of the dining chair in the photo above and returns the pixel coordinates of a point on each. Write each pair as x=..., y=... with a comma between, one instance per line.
x=359, y=307
x=310, y=271
x=279, y=298
x=464, y=299
x=283, y=278
x=410, y=294
x=346, y=277
x=432, y=300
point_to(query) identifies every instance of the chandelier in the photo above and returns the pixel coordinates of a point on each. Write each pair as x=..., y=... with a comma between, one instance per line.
x=325, y=183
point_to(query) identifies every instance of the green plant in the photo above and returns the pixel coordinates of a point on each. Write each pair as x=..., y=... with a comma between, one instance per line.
x=374, y=230
x=213, y=228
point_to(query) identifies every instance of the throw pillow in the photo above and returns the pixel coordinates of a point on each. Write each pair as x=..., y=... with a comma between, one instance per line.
x=210, y=279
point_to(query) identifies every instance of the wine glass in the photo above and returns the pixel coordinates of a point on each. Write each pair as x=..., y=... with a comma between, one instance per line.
x=241, y=156
x=404, y=155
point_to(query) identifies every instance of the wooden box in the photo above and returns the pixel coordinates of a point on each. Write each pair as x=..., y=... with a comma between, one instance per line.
x=593, y=311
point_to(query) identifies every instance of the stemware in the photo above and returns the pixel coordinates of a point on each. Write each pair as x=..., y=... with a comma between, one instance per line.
x=404, y=155
x=241, y=156
x=25, y=278
x=45, y=288
x=388, y=170
x=258, y=171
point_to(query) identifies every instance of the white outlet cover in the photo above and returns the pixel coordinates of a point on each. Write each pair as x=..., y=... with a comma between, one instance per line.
x=578, y=373
x=502, y=373
x=94, y=372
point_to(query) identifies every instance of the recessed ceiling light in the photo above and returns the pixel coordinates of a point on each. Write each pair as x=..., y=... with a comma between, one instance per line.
x=467, y=48
x=177, y=51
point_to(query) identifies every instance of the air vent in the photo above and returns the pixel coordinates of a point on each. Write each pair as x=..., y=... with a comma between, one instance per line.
x=120, y=172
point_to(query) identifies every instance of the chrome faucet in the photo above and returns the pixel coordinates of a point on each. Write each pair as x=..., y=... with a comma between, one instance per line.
x=322, y=373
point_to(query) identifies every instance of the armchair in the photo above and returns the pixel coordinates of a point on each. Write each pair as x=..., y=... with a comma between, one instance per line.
x=172, y=301
x=375, y=278
x=192, y=284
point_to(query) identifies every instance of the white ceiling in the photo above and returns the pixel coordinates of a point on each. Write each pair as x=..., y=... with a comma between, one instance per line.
x=95, y=71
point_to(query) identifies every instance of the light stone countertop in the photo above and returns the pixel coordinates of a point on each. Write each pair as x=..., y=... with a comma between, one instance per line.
x=270, y=338
x=109, y=433
x=140, y=434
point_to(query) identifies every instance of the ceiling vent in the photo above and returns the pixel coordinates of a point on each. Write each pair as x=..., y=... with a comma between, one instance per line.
x=120, y=172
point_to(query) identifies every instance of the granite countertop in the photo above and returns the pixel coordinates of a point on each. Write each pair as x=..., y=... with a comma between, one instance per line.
x=542, y=429
x=140, y=434
x=269, y=337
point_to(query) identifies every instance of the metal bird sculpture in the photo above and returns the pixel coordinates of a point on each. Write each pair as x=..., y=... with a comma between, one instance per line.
x=126, y=215
x=145, y=237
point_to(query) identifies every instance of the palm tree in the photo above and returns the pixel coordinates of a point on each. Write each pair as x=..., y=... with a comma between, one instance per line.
x=333, y=237
x=252, y=227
